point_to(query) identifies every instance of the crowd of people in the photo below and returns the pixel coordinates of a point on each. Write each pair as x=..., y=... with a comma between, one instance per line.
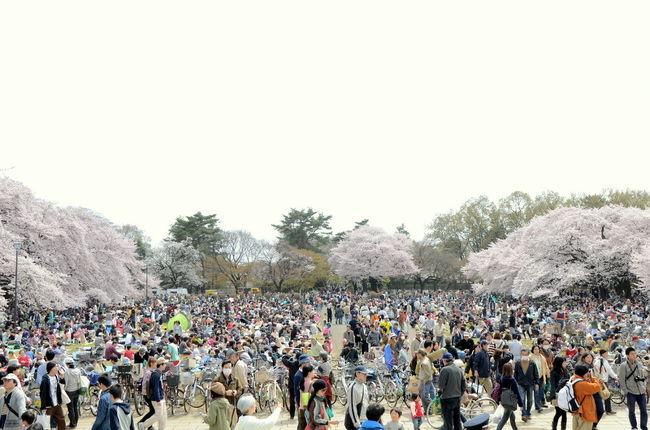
x=522, y=351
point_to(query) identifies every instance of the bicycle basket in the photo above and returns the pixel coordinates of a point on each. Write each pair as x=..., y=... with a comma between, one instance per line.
x=186, y=378
x=123, y=369
x=172, y=380
x=261, y=376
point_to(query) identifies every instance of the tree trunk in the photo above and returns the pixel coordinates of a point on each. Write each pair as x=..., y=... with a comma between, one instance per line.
x=374, y=284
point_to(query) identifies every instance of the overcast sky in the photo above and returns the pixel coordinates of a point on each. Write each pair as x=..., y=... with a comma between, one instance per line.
x=392, y=111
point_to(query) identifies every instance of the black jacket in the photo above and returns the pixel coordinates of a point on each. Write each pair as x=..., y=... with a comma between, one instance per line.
x=530, y=377
x=46, y=397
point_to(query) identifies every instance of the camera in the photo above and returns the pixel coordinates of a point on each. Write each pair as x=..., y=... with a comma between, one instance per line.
x=639, y=379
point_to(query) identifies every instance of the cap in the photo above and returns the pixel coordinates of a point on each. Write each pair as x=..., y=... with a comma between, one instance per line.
x=484, y=342
x=303, y=358
x=360, y=369
x=161, y=360
x=447, y=356
x=218, y=388
x=12, y=377
x=466, y=334
x=68, y=360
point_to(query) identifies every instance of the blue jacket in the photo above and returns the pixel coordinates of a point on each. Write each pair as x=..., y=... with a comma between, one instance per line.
x=297, y=381
x=371, y=425
x=102, y=422
x=156, y=386
x=388, y=357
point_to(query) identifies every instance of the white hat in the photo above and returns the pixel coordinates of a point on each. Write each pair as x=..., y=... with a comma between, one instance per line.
x=12, y=377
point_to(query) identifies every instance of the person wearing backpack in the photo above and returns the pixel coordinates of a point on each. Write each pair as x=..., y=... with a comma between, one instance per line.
x=603, y=371
x=146, y=390
x=631, y=375
x=510, y=397
x=559, y=378
x=584, y=388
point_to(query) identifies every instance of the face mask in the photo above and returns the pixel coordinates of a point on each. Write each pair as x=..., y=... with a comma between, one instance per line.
x=227, y=372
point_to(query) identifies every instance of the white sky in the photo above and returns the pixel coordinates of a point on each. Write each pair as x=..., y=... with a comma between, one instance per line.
x=393, y=111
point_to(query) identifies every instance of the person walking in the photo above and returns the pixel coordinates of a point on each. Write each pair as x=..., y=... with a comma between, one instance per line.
x=508, y=382
x=316, y=413
x=584, y=391
x=120, y=415
x=72, y=383
x=632, y=378
x=13, y=404
x=539, y=359
x=145, y=389
x=527, y=378
x=298, y=383
x=105, y=401
x=559, y=377
x=220, y=414
x=51, y=397
x=603, y=371
x=358, y=400
x=481, y=367
x=157, y=397
x=425, y=376
x=451, y=386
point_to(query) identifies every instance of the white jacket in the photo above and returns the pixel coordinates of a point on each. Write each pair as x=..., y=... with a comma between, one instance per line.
x=603, y=370
x=249, y=422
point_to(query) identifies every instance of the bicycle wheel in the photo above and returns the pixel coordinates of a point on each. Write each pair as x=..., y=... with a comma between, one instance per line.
x=375, y=393
x=273, y=395
x=197, y=399
x=433, y=418
x=391, y=392
x=139, y=403
x=617, y=397
x=93, y=402
x=339, y=389
x=484, y=405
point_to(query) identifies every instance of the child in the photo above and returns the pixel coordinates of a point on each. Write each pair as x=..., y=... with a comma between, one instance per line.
x=416, y=411
x=394, y=423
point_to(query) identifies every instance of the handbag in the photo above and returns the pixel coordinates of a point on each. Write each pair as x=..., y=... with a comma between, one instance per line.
x=509, y=398
x=64, y=396
x=44, y=420
x=304, y=398
x=604, y=391
x=84, y=384
x=414, y=385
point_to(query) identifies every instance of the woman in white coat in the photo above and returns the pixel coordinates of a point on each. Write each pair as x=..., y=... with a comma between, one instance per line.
x=247, y=407
x=603, y=370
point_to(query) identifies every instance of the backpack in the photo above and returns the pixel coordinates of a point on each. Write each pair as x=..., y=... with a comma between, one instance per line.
x=566, y=397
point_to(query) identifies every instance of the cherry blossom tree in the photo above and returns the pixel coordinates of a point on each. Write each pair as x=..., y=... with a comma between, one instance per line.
x=368, y=254
x=176, y=264
x=68, y=254
x=568, y=248
x=279, y=262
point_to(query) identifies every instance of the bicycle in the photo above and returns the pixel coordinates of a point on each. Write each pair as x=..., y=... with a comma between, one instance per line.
x=173, y=393
x=196, y=393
